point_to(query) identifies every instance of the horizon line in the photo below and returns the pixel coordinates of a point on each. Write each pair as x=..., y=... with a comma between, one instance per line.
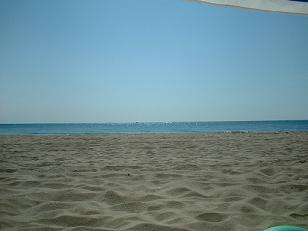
x=157, y=122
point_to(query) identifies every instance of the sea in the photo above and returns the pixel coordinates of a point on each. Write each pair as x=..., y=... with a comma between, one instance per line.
x=154, y=127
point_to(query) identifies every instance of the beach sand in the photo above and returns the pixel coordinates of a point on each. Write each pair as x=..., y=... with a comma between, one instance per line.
x=215, y=182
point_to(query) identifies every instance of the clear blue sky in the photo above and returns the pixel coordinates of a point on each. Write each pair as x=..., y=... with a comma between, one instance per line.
x=142, y=60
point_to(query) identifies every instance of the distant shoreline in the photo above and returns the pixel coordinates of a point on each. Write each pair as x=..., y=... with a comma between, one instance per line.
x=156, y=134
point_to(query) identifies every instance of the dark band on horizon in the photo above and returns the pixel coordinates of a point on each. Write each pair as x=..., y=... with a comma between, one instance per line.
x=298, y=0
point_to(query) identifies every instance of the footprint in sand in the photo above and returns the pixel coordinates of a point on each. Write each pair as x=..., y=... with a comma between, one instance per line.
x=299, y=216
x=268, y=171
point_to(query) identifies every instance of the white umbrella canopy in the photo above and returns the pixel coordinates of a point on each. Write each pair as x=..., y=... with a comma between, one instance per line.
x=285, y=6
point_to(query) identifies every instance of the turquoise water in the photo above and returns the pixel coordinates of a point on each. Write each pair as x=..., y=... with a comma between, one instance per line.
x=286, y=228
x=174, y=127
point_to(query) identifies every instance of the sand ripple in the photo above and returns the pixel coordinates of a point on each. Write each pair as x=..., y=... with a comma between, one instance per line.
x=221, y=182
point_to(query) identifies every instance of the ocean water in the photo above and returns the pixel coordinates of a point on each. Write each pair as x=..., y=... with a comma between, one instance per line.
x=173, y=127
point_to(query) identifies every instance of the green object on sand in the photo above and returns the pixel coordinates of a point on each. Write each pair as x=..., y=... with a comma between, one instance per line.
x=286, y=228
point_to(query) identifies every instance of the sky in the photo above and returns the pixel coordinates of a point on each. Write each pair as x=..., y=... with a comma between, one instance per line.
x=141, y=60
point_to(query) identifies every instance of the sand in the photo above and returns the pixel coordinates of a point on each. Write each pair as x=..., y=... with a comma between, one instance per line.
x=157, y=182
